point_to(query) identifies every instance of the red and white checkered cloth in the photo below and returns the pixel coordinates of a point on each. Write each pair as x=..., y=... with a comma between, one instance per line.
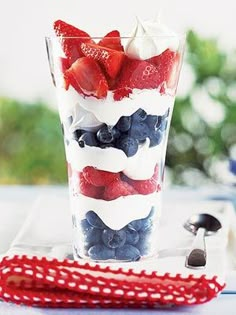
x=52, y=283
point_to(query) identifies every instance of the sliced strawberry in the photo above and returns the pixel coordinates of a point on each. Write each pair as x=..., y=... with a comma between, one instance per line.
x=109, y=58
x=70, y=45
x=87, y=78
x=112, y=40
x=138, y=74
x=89, y=190
x=118, y=189
x=119, y=94
x=145, y=187
x=64, y=64
x=98, y=177
x=167, y=64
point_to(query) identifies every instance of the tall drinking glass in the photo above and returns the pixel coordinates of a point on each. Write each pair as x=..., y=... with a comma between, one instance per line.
x=115, y=117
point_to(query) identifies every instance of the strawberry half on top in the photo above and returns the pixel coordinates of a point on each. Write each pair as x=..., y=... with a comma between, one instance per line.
x=71, y=39
x=167, y=65
x=87, y=78
x=137, y=74
x=112, y=40
x=110, y=59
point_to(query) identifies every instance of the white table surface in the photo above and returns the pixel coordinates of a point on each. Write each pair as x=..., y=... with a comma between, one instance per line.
x=25, y=195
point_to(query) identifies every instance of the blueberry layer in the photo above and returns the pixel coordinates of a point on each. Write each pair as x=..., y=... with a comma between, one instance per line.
x=103, y=243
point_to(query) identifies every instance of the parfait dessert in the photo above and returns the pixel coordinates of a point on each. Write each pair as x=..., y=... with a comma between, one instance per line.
x=115, y=100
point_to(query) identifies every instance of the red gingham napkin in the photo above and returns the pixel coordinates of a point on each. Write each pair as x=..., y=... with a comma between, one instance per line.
x=49, y=282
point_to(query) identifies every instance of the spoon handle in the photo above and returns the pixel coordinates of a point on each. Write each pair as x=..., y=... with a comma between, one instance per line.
x=196, y=258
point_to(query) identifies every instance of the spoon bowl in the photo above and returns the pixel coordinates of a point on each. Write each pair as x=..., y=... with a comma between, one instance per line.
x=203, y=220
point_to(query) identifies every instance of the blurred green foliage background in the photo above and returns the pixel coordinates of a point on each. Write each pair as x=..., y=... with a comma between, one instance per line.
x=203, y=128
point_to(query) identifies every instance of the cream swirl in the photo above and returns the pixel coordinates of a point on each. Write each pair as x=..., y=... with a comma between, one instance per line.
x=150, y=38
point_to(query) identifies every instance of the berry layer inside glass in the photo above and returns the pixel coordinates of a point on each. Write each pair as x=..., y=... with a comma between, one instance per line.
x=115, y=112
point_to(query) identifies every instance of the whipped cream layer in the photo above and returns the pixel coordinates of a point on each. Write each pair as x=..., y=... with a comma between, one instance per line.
x=149, y=39
x=140, y=166
x=109, y=111
x=114, y=213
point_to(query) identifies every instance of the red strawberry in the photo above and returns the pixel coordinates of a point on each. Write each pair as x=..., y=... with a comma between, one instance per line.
x=70, y=45
x=138, y=74
x=109, y=58
x=112, y=40
x=63, y=64
x=88, y=189
x=86, y=77
x=145, y=187
x=167, y=64
x=99, y=178
x=69, y=79
x=119, y=94
x=118, y=189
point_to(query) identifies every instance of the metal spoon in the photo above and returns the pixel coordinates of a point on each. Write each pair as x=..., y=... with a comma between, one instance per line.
x=202, y=224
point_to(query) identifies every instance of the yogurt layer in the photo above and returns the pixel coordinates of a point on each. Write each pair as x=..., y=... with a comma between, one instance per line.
x=149, y=39
x=114, y=213
x=109, y=111
x=140, y=166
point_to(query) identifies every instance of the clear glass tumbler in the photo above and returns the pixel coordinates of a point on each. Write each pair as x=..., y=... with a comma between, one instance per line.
x=115, y=112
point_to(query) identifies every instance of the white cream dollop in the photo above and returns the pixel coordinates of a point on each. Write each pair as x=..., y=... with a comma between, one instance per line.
x=149, y=39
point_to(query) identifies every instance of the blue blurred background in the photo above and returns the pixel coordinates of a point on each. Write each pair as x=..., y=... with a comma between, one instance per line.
x=202, y=142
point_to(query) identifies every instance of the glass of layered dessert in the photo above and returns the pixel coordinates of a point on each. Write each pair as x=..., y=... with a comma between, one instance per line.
x=115, y=98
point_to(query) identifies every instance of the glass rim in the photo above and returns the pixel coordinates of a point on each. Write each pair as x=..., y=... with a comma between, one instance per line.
x=180, y=36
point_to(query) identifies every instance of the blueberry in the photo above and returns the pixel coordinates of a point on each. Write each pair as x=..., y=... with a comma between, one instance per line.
x=143, y=246
x=146, y=224
x=124, y=123
x=128, y=252
x=101, y=252
x=152, y=121
x=127, y=144
x=155, y=138
x=91, y=234
x=136, y=225
x=139, y=115
x=116, y=133
x=159, y=121
x=94, y=220
x=88, y=138
x=105, y=134
x=141, y=224
x=113, y=239
x=132, y=236
x=163, y=125
x=78, y=133
x=144, y=241
x=106, y=145
x=139, y=131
